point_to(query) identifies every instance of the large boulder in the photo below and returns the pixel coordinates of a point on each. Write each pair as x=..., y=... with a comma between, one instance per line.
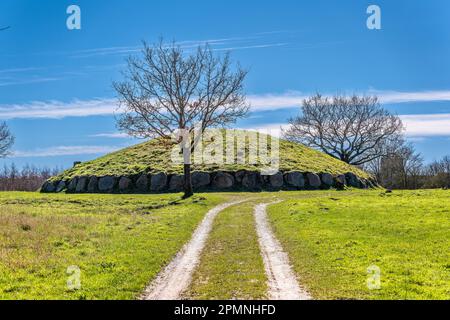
x=176, y=183
x=60, y=186
x=81, y=185
x=125, y=185
x=252, y=181
x=158, y=182
x=352, y=180
x=92, y=185
x=313, y=180
x=48, y=187
x=200, y=179
x=327, y=180
x=295, y=179
x=276, y=180
x=340, y=181
x=106, y=184
x=223, y=180
x=239, y=176
x=142, y=183
x=72, y=185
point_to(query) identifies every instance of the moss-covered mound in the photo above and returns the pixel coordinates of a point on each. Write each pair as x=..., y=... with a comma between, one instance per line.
x=154, y=158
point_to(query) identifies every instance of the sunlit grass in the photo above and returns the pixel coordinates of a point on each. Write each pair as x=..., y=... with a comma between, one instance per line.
x=119, y=242
x=333, y=240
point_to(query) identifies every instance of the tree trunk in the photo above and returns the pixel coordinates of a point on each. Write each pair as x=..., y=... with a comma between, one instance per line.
x=188, y=192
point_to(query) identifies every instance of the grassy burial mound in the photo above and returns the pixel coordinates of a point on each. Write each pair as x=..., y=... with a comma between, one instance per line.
x=149, y=168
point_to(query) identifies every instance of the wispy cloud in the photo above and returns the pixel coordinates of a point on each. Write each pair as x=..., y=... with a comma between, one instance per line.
x=115, y=135
x=260, y=102
x=273, y=129
x=261, y=46
x=418, y=126
x=64, y=151
x=25, y=75
x=270, y=101
x=255, y=41
x=413, y=96
x=32, y=80
x=20, y=70
x=293, y=99
x=125, y=50
x=57, y=109
x=424, y=125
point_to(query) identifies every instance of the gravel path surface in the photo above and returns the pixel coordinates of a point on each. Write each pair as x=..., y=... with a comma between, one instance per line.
x=283, y=284
x=176, y=277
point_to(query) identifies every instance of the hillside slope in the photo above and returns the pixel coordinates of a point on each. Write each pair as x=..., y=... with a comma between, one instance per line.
x=155, y=156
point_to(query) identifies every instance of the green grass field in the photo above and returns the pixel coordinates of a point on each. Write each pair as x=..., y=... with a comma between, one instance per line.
x=333, y=240
x=120, y=243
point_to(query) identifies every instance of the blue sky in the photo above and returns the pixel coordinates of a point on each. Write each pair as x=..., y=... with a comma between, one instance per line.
x=55, y=84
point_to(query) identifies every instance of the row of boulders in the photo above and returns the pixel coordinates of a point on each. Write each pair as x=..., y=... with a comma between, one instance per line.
x=204, y=181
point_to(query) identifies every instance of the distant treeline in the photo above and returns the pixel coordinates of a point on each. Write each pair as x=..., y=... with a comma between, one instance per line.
x=28, y=178
x=406, y=170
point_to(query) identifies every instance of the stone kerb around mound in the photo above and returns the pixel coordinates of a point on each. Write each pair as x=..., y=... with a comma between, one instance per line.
x=206, y=181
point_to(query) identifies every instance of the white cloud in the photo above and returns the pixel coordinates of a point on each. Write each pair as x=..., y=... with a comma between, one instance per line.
x=248, y=42
x=27, y=81
x=293, y=99
x=422, y=125
x=273, y=129
x=64, y=151
x=404, y=97
x=418, y=126
x=259, y=102
x=106, y=106
x=57, y=109
x=259, y=46
x=271, y=101
x=20, y=70
x=117, y=135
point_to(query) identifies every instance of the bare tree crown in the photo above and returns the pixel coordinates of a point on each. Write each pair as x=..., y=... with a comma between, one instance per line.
x=353, y=129
x=167, y=92
x=166, y=89
x=6, y=140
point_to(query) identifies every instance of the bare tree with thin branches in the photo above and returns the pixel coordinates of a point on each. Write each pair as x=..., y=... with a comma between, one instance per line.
x=167, y=91
x=402, y=169
x=353, y=129
x=6, y=140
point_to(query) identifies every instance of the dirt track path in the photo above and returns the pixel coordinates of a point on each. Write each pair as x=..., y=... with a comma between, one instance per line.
x=282, y=281
x=176, y=277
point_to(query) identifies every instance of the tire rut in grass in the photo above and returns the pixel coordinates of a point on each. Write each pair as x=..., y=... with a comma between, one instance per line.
x=282, y=281
x=176, y=277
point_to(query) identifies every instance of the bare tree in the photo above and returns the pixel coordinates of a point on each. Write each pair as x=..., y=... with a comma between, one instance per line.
x=377, y=166
x=353, y=129
x=438, y=173
x=401, y=168
x=409, y=166
x=6, y=140
x=166, y=91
